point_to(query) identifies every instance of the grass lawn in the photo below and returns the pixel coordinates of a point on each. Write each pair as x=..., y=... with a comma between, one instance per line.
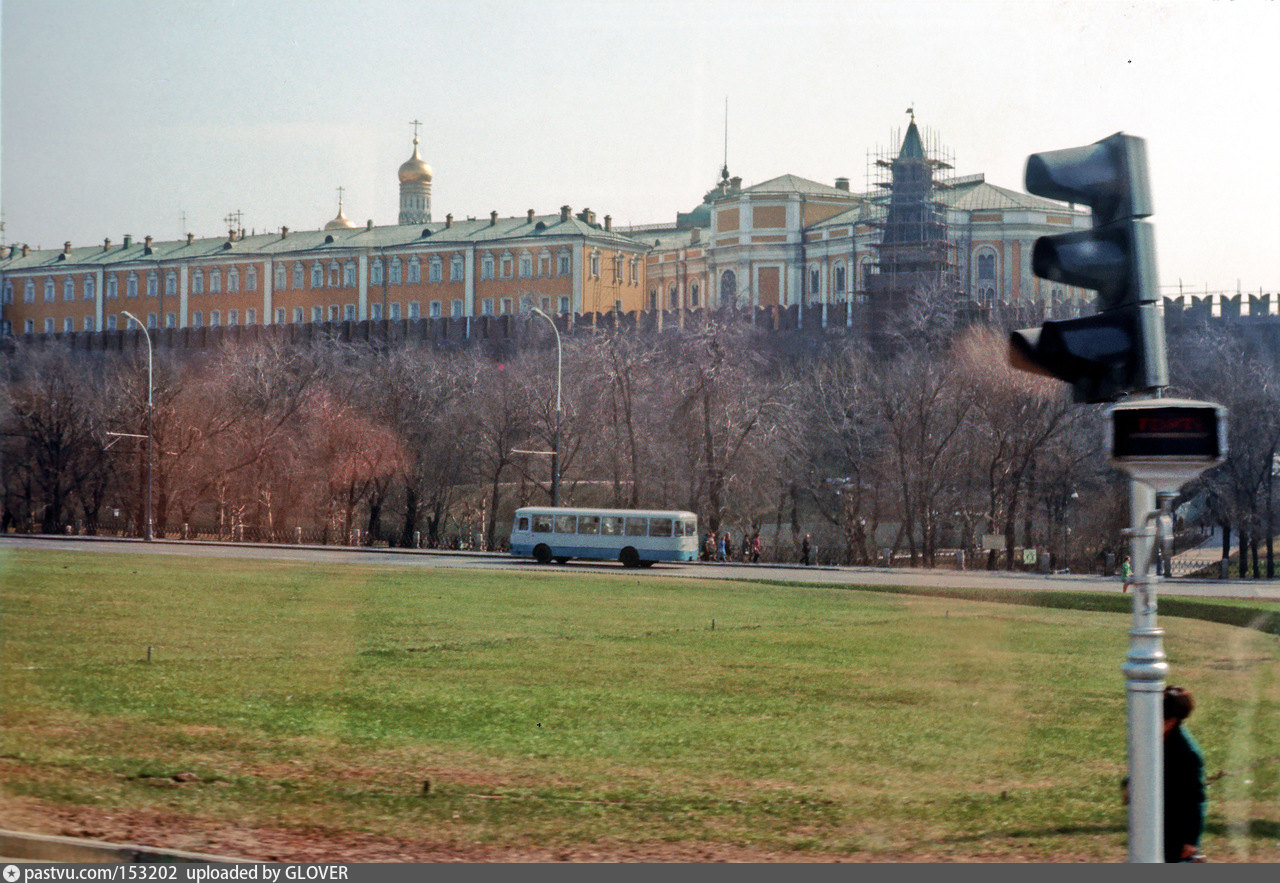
x=613, y=714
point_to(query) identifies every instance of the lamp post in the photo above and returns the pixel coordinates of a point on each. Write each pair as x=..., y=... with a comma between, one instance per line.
x=555, y=443
x=148, y=534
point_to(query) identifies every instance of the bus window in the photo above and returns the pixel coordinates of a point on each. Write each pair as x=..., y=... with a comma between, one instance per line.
x=611, y=525
x=523, y=523
x=589, y=524
x=564, y=523
x=690, y=526
x=542, y=524
x=659, y=527
x=637, y=527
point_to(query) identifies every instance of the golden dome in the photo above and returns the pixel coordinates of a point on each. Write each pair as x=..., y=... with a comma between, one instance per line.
x=414, y=168
x=341, y=222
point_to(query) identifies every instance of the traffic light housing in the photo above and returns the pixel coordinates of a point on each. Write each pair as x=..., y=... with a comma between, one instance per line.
x=1121, y=348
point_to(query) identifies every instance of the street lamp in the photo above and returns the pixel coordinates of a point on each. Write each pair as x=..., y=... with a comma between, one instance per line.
x=555, y=444
x=149, y=535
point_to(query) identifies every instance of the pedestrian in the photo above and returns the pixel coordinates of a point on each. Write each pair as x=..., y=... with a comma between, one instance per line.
x=721, y=548
x=755, y=547
x=1184, y=797
x=709, y=546
x=805, y=550
x=1126, y=575
x=728, y=546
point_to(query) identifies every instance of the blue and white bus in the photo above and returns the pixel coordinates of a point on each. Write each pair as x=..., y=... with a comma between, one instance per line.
x=636, y=537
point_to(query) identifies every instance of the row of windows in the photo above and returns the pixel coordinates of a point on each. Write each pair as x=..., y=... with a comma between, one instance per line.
x=609, y=525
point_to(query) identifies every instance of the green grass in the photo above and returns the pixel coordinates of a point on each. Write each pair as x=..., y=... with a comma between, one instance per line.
x=573, y=709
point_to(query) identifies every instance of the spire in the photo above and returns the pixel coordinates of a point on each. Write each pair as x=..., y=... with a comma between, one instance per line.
x=912, y=147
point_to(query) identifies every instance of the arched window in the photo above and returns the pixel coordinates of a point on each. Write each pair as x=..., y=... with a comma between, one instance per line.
x=486, y=266
x=317, y=275
x=693, y=295
x=334, y=278
x=89, y=289
x=153, y=284
x=375, y=272
x=456, y=268
x=131, y=289
x=113, y=287
x=815, y=280
x=564, y=263
x=840, y=279
x=728, y=287
x=29, y=292
x=233, y=281
x=299, y=276
x=673, y=297
x=415, y=270
x=215, y=283
x=505, y=265
x=595, y=265
x=395, y=271
x=69, y=288
x=526, y=265
x=251, y=281
x=281, y=277
x=349, y=274
x=170, y=283
x=986, y=277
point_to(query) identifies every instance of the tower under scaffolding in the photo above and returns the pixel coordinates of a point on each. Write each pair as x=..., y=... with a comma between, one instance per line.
x=915, y=255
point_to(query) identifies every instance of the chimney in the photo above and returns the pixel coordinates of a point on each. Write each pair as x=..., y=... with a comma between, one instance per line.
x=26, y=249
x=842, y=184
x=66, y=247
x=284, y=232
x=191, y=237
x=448, y=221
x=696, y=237
x=128, y=240
x=106, y=243
x=368, y=225
x=564, y=212
x=493, y=219
x=147, y=243
x=608, y=223
x=735, y=184
x=530, y=216
x=587, y=216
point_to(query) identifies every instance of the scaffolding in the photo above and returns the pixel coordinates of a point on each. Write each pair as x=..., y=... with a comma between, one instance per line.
x=915, y=251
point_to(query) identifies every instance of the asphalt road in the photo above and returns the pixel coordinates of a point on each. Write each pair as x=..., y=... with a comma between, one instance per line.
x=854, y=576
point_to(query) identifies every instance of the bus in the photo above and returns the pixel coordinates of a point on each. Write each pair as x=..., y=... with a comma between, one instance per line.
x=636, y=537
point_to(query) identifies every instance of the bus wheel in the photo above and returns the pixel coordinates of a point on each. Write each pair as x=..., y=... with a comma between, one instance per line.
x=542, y=553
x=629, y=557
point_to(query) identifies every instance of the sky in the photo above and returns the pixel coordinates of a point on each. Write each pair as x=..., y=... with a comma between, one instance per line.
x=162, y=117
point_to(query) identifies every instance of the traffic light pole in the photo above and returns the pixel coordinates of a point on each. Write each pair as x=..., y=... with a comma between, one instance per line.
x=1145, y=670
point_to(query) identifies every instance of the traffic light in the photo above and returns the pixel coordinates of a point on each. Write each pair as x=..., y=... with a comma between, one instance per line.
x=1121, y=348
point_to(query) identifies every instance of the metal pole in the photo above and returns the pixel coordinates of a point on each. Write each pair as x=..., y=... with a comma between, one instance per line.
x=149, y=534
x=1145, y=672
x=555, y=442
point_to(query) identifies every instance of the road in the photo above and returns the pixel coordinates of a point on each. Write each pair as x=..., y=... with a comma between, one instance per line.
x=852, y=576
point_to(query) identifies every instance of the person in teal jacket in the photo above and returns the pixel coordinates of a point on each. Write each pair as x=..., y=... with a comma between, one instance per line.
x=1184, y=794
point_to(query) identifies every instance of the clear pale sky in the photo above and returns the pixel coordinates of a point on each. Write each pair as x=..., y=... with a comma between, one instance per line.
x=116, y=117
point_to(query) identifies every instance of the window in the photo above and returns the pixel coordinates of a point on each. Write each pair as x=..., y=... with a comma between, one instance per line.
x=815, y=280
x=505, y=266
x=233, y=279
x=659, y=527
x=589, y=524
x=415, y=310
x=617, y=268
x=566, y=523
x=317, y=275
x=29, y=292
x=728, y=287
x=375, y=272
x=251, y=279
x=693, y=295
x=375, y=311
x=215, y=284
x=130, y=324
x=526, y=266
x=69, y=288
x=88, y=323
x=334, y=270
x=170, y=284
x=395, y=311
x=349, y=274
x=457, y=309
x=617, y=306
x=541, y=523
x=486, y=307
x=595, y=265
x=131, y=285
x=89, y=288
x=8, y=291
x=637, y=527
x=281, y=277
x=436, y=270
x=564, y=303
x=317, y=314
x=233, y=317
x=435, y=309
x=673, y=298
x=486, y=267
x=298, y=275
x=48, y=326
x=197, y=319
x=335, y=313
x=215, y=318
x=395, y=271
x=611, y=525
x=544, y=263
x=840, y=280
x=299, y=314
x=68, y=325
x=867, y=269
x=349, y=312
x=986, y=265
x=153, y=284
x=251, y=316
x=30, y=326
x=415, y=270
x=635, y=271
x=171, y=320
x=653, y=298
x=456, y=269
x=152, y=321
x=48, y=290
